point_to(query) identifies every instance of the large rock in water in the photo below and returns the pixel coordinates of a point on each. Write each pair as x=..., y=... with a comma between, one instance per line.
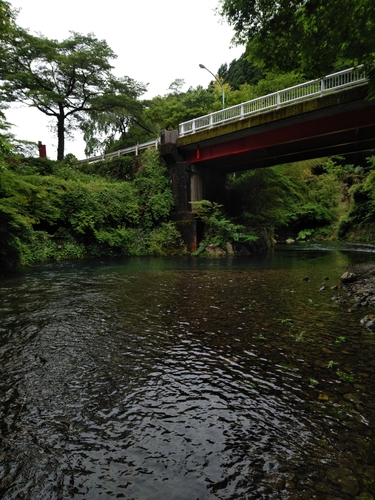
x=348, y=277
x=369, y=322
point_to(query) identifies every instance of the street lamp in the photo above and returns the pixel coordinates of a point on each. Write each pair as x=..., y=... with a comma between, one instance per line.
x=218, y=81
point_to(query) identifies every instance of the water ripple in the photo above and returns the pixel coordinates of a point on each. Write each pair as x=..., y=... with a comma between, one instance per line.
x=115, y=386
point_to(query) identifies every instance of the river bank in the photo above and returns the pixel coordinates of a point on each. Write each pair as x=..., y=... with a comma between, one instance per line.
x=359, y=285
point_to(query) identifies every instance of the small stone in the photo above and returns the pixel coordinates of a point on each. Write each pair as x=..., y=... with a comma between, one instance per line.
x=348, y=277
x=230, y=249
x=276, y=481
x=352, y=397
x=369, y=322
x=323, y=397
x=326, y=351
x=289, y=485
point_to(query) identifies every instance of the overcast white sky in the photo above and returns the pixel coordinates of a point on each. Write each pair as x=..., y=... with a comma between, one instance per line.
x=156, y=41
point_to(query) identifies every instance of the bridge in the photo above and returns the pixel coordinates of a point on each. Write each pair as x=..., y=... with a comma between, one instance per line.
x=324, y=117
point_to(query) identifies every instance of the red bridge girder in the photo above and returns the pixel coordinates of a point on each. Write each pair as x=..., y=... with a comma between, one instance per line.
x=341, y=129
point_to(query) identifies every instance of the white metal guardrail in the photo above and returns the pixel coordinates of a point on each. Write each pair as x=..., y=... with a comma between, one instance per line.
x=303, y=91
x=126, y=151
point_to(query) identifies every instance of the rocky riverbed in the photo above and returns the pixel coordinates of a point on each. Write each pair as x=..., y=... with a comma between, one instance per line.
x=358, y=284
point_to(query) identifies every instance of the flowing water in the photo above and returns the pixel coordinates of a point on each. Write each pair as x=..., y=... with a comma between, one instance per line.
x=185, y=378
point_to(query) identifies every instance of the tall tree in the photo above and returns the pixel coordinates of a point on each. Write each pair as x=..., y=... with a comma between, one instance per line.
x=311, y=36
x=239, y=72
x=7, y=27
x=65, y=80
x=176, y=106
x=112, y=116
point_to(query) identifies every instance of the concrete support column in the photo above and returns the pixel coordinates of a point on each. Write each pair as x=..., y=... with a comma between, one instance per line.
x=189, y=183
x=181, y=177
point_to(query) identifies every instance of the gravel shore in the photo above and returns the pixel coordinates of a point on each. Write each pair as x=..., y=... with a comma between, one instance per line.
x=358, y=283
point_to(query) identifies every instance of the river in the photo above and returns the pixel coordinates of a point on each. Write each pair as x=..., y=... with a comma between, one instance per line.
x=185, y=378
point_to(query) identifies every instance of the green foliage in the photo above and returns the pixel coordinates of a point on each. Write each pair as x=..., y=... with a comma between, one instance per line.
x=154, y=193
x=311, y=215
x=265, y=196
x=272, y=82
x=72, y=214
x=122, y=168
x=5, y=147
x=118, y=238
x=107, y=127
x=7, y=20
x=43, y=246
x=14, y=230
x=313, y=37
x=31, y=165
x=176, y=107
x=361, y=215
x=305, y=233
x=348, y=378
x=166, y=240
x=239, y=72
x=218, y=229
x=289, y=199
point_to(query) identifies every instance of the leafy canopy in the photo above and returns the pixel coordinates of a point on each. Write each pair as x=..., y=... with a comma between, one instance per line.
x=7, y=16
x=65, y=80
x=312, y=36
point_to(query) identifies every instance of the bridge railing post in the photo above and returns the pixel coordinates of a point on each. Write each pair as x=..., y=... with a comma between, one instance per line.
x=278, y=99
x=322, y=86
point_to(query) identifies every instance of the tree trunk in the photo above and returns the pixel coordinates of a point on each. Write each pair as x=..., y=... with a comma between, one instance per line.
x=60, y=134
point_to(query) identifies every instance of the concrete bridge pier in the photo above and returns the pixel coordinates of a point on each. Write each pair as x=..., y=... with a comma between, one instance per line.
x=189, y=183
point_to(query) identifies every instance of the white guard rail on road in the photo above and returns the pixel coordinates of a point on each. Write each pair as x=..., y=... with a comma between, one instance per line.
x=303, y=91
x=126, y=151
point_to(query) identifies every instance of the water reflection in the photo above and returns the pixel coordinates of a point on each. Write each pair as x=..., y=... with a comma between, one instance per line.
x=185, y=378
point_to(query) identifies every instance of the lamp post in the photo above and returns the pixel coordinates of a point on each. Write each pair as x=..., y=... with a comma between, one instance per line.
x=218, y=81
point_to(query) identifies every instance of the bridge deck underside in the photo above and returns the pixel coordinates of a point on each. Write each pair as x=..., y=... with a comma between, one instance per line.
x=335, y=130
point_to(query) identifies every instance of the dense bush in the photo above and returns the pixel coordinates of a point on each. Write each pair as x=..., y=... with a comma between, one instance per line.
x=218, y=229
x=75, y=214
x=264, y=196
x=122, y=168
x=359, y=223
x=289, y=200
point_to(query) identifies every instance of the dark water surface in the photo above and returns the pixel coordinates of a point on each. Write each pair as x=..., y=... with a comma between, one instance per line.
x=184, y=378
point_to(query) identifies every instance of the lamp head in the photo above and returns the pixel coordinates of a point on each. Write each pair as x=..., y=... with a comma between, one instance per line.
x=202, y=66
